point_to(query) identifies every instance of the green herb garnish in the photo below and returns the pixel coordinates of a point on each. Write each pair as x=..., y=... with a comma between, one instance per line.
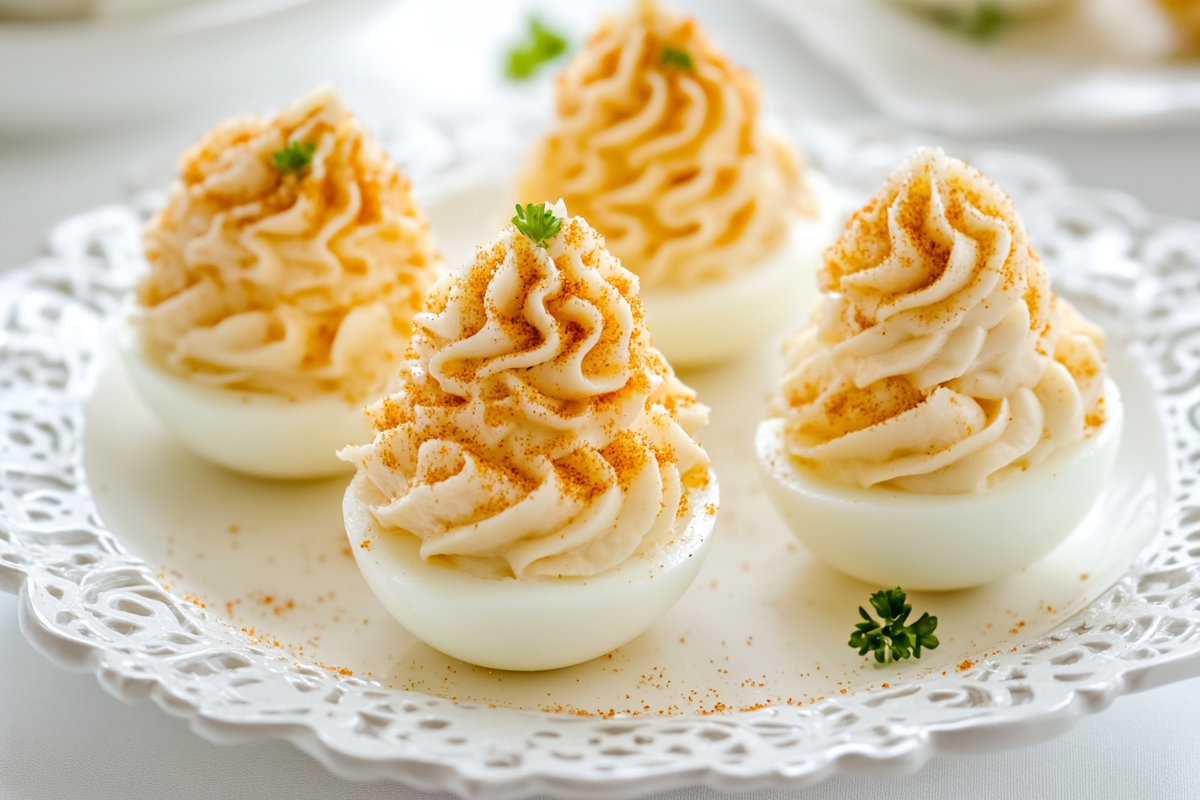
x=893, y=640
x=537, y=222
x=540, y=46
x=983, y=24
x=680, y=59
x=990, y=21
x=295, y=157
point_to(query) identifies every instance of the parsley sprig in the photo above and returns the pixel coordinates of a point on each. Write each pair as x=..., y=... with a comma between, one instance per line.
x=982, y=24
x=893, y=640
x=675, y=57
x=537, y=222
x=541, y=45
x=295, y=157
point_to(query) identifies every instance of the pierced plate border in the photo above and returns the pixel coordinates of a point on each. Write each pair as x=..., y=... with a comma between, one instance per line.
x=91, y=606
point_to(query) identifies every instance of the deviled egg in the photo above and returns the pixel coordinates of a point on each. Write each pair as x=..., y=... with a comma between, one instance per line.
x=945, y=419
x=533, y=496
x=284, y=273
x=660, y=143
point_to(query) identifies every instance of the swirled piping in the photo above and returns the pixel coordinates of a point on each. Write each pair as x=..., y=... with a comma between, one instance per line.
x=286, y=281
x=939, y=360
x=672, y=164
x=535, y=431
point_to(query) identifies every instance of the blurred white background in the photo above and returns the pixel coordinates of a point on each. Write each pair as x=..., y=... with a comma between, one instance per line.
x=393, y=59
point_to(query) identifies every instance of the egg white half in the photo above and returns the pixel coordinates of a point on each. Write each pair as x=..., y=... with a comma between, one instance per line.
x=524, y=624
x=935, y=542
x=714, y=323
x=257, y=434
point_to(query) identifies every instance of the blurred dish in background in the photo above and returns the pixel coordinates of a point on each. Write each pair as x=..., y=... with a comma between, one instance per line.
x=983, y=67
x=96, y=62
x=49, y=10
x=1015, y=7
x=1183, y=17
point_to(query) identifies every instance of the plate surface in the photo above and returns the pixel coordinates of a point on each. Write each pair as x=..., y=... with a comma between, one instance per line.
x=1061, y=71
x=235, y=603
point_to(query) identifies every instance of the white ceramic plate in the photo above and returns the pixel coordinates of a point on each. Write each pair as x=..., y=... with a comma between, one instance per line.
x=234, y=602
x=1059, y=71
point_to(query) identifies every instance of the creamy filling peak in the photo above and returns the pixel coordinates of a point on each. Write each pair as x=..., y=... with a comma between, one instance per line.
x=660, y=144
x=534, y=431
x=290, y=257
x=939, y=360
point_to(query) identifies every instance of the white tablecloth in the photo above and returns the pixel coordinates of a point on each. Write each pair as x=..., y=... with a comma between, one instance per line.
x=61, y=736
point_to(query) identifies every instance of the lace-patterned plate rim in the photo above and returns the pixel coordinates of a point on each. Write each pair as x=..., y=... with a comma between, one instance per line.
x=91, y=606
